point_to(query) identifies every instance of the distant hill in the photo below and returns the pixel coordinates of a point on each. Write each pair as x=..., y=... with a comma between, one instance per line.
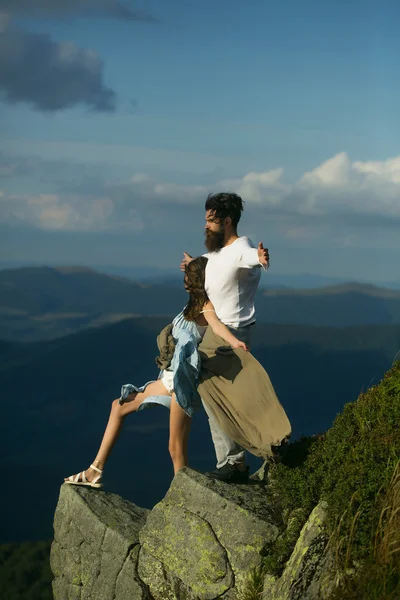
x=156, y=275
x=38, y=291
x=340, y=288
x=336, y=306
x=56, y=395
x=39, y=303
x=272, y=279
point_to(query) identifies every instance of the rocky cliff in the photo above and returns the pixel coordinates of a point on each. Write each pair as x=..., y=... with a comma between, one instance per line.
x=204, y=540
x=208, y=540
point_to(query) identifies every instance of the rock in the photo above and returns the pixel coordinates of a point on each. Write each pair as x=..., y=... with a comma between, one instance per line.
x=163, y=583
x=204, y=569
x=95, y=548
x=203, y=538
x=309, y=573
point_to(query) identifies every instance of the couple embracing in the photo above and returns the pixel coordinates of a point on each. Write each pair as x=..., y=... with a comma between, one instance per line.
x=205, y=358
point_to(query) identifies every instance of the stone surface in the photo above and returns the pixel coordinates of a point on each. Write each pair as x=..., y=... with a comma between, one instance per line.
x=204, y=569
x=162, y=583
x=309, y=573
x=207, y=535
x=95, y=548
x=201, y=542
x=127, y=585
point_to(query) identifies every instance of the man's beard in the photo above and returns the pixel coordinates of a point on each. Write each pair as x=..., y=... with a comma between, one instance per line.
x=215, y=240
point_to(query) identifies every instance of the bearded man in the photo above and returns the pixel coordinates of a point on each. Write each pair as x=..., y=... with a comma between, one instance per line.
x=232, y=276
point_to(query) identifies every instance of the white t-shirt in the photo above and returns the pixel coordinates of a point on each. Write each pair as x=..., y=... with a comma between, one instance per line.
x=232, y=277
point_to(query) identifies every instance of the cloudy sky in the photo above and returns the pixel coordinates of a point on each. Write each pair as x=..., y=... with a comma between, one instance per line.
x=117, y=118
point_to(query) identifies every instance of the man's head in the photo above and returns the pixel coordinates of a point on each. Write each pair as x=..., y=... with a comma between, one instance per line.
x=223, y=212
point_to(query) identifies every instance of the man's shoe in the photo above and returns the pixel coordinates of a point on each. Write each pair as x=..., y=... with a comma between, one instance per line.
x=230, y=474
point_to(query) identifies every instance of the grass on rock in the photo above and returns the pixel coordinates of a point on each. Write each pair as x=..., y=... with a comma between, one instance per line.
x=354, y=466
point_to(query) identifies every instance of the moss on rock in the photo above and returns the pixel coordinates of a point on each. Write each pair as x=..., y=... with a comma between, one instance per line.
x=166, y=536
x=350, y=467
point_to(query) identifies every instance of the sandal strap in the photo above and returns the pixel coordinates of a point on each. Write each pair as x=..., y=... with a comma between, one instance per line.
x=77, y=477
x=96, y=469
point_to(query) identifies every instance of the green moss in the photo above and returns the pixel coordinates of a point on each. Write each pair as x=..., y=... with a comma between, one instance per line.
x=350, y=467
x=279, y=551
x=76, y=579
x=205, y=566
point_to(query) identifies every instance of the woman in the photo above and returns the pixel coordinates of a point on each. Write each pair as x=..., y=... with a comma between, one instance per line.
x=188, y=330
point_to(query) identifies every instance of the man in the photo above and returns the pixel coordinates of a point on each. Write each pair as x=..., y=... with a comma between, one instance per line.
x=232, y=276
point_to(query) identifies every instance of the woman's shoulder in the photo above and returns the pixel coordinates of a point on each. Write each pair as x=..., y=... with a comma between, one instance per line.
x=180, y=322
x=179, y=318
x=208, y=307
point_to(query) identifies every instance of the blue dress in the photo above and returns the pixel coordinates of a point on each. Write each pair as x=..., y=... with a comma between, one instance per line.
x=185, y=366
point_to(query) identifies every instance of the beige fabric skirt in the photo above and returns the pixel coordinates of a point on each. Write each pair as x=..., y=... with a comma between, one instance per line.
x=238, y=392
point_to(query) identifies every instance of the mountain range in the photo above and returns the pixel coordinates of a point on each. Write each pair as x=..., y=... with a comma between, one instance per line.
x=70, y=337
x=39, y=303
x=156, y=275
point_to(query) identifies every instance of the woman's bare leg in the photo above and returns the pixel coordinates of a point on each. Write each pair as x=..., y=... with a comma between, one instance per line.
x=179, y=429
x=116, y=419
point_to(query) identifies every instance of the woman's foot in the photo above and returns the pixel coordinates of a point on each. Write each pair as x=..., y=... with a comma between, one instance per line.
x=90, y=478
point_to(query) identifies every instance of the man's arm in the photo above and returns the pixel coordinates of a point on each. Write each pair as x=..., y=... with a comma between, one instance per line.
x=254, y=257
x=185, y=260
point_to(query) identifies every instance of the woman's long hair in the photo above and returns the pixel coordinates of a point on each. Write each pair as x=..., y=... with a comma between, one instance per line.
x=195, y=276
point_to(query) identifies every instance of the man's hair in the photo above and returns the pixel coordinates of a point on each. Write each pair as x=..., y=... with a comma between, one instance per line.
x=225, y=205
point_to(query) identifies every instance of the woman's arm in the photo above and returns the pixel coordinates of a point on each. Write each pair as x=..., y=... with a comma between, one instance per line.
x=221, y=329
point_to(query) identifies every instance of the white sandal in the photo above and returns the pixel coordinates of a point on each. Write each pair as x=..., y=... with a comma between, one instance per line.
x=74, y=479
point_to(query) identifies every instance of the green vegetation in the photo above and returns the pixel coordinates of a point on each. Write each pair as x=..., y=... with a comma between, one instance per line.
x=254, y=585
x=355, y=468
x=25, y=571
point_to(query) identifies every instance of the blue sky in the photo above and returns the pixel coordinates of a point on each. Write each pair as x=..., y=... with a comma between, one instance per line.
x=117, y=119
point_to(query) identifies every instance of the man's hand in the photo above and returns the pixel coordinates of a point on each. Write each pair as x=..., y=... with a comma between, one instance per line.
x=263, y=254
x=186, y=260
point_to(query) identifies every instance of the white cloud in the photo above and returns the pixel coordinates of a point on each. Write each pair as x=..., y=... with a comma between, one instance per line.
x=338, y=187
x=343, y=188
x=60, y=212
x=333, y=172
x=339, y=192
x=390, y=169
